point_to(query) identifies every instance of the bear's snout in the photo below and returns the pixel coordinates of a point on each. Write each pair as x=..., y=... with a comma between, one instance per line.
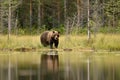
x=56, y=37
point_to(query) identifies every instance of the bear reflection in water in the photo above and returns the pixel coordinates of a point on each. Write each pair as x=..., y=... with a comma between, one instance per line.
x=49, y=65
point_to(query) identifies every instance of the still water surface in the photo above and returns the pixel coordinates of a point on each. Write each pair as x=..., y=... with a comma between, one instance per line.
x=53, y=65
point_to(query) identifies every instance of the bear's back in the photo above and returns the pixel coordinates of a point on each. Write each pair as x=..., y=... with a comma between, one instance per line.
x=43, y=38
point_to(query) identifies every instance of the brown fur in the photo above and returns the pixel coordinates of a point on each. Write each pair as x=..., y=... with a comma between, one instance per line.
x=50, y=38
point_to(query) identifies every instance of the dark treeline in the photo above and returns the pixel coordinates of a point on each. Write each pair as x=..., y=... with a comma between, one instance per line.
x=37, y=15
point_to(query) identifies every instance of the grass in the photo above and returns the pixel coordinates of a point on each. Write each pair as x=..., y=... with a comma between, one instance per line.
x=75, y=42
x=19, y=41
x=108, y=41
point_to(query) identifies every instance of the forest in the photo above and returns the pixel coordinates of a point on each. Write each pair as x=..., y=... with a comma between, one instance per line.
x=71, y=17
x=34, y=16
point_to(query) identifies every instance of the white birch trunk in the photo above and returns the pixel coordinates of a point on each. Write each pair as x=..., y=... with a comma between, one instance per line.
x=9, y=20
x=88, y=20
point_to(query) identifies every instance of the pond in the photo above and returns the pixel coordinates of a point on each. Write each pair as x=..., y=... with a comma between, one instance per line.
x=54, y=65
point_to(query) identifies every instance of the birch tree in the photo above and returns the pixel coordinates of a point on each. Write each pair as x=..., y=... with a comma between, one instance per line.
x=88, y=20
x=9, y=19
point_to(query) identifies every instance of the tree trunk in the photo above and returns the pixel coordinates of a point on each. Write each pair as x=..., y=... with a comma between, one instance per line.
x=30, y=16
x=78, y=12
x=113, y=17
x=1, y=17
x=58, y=11
x=88, y=20
x=65, y=16
x=65, y=11
x=39, y=13
x=39, y=16
x=16, y=23
x=42, y=12
x=9, y=20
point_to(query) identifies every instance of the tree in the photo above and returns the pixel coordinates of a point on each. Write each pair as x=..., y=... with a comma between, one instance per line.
x=48, y=14
x=58, y=11
x=39, y=12
x=30, y=16
x=88, y=21
x=78, y=11
x=65, y=16
x=9, y=19
x=1, y=17
x=112, y=12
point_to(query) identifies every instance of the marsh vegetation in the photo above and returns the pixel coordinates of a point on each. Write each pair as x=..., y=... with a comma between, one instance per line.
x=109, y=42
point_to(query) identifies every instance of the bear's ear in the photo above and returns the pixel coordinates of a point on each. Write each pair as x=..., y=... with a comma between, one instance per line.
x=58, y=32
x=53, y=31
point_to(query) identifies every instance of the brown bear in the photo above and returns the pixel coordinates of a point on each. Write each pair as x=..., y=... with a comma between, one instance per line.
x=48, y=38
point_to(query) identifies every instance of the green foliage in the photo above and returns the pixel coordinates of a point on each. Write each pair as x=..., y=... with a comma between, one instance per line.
x=112, y=7
x=112, y=13
x=109, y=30
x=78, y=31
x=52, y=15
x=60, y=28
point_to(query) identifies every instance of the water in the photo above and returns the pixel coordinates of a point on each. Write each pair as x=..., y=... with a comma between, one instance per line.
x=53, y=65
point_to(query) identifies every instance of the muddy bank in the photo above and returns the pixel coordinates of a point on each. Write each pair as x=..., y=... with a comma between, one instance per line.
x=22, y=49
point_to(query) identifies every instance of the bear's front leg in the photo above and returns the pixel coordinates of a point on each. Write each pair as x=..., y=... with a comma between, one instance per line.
x=56, y=44
x=51, y=44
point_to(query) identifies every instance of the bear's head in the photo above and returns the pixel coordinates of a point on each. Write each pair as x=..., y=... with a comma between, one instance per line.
x=55, y=35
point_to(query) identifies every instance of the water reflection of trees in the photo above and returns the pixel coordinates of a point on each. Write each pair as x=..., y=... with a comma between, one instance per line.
x=51, y=68
x=46, y=69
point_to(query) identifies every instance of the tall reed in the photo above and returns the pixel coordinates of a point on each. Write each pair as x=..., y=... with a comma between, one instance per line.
x=107, y=41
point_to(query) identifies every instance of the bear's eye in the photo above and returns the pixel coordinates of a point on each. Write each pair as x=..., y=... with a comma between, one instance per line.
x=57, y=35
